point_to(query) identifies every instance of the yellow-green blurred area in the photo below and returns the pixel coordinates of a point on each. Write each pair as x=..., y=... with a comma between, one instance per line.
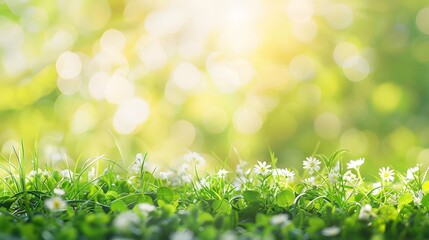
x=231, y=78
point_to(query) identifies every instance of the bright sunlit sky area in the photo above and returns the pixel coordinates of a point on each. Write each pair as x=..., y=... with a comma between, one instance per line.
x=230, y=79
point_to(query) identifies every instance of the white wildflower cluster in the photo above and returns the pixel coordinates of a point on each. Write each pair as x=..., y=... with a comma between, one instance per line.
x=38, y=172
x=283, y=175
x=184, y=173
x=67, y=174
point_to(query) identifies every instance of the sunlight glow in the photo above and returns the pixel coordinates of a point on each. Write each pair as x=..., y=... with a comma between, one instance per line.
x=130, y=114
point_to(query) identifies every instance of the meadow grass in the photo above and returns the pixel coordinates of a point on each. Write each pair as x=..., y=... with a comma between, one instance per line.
x=328, y=199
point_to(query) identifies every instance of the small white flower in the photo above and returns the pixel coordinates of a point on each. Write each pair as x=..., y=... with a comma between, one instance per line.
x=138, y=163
x=240, y=169
x=386, y=174
x=204, y=183
x=350, y=177
x=222, y=173
x=59, y=191
x=182, y=235
x=411, y=173
x=186, y=178
x=55, y=204
x=146, y=208
x=355, y=164
x=67, y=174
x=280, y=219
x=365, y=212
x=333, y=176
x=310, y=181
x=376, y=188
x=125, y=220
x=183, y=169
x=194, y=158
x=91, y=174
x=165, y=175
x=311, y=164
x=418, y=198
x=262, y=168
x=331, y=231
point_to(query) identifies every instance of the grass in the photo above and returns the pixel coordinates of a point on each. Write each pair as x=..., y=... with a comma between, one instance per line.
x=328, y=199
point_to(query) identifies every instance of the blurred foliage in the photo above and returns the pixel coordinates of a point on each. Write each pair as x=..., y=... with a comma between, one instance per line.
x=232, y=78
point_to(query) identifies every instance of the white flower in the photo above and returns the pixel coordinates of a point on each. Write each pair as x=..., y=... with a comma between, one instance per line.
x=376, y=188
x=59, y=191
x=350, y=177
x=91, y=174
x=310, y=181
x=418, y=198
x=240, y=169
x=204, y=183
x=67, y=174
x=125, y=220
x=311, y=164
x=55, y=204
x=280, y=219
x=182, y=235
x=183, y=169
x=333, y=176
x=386, y=174
x=165, y=175
x=146, y=208
x=365, y=212
x=355, y=164
x=186, y=178
x=331, y=231
x=194, y=158
x=411, y=173
x=138, y=163
x=222, y=173
x=262, y=168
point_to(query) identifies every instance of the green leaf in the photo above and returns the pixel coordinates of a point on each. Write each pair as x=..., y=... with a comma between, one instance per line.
x=221, y=206
x=425, y=187
x=251, y=196
x=425, y=200
x=165, y=194
x=118, y=206
x=387, y=213
x=405, y=198
x=285, y=198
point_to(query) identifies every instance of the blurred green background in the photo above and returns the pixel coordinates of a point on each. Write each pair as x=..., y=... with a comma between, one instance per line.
x=231, y=78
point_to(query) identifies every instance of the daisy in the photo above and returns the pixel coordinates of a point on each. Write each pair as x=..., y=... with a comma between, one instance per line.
x=355, y=164
x=55, y=204
x=311, y=164
x=386, y=174
x=262, y=168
